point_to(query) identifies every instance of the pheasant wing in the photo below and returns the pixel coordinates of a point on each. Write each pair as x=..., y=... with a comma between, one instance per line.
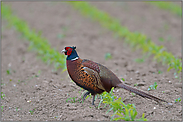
x=91, y=68
x=96, y=77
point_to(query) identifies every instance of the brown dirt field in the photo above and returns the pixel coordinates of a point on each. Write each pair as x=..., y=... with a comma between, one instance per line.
x=45, y=94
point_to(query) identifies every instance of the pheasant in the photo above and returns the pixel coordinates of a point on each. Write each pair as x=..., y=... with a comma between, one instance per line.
x=94, y=77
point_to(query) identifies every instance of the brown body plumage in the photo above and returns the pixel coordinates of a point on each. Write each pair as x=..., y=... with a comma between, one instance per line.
x=94, y=77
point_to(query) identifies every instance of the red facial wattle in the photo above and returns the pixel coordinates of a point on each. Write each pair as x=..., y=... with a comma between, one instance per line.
x=68, y=51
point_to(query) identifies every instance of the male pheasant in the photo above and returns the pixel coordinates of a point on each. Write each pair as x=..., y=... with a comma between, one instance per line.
x=94, y=77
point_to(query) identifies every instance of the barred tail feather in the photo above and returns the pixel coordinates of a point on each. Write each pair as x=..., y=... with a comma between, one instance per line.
x=138, y=92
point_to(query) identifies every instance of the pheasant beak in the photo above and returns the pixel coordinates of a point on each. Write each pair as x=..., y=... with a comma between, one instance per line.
x=63, y=51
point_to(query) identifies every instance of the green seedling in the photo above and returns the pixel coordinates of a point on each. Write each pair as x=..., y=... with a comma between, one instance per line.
x=175, y=75
x=2, y=108
x=16, y=108
x=8, y=71
x=2, y=96
x=136, y=84
x=106, y=98
x=128, y=113
x=80, y=90
x=125, y=112
x=178, y=100
x=160, y=72
x=122, y=79
x=161, y=39
x=20, y=81
x=133, y=94
x=152, y=86
x=38, y=74
x=108, y=56
x=72, y=100
x=68, y=99
x=139, y=60
x=32, y=111
x=2, y=84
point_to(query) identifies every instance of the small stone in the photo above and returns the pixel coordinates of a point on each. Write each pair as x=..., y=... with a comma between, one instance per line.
x=128, y=83
x=137, y=72
x=137, y=78
x=129, y=68
x=64, y=86
x=67, y=104
x=117, y=90
x=141, y=84
x=143, y=88
x=152, y=70
x=45, y=81
x=170, y=104
x=178, y=85
x=29, y=101
x=167, y=91
x=167, y=78
x=38, y=88
x=72, y=108
x=59, y=89
x=56, y=73
x=9, y=65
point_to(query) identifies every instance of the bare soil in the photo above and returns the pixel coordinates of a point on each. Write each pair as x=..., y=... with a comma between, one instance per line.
x=34, y=91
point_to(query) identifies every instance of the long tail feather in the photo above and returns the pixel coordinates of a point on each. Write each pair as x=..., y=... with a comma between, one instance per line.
x=141, y=93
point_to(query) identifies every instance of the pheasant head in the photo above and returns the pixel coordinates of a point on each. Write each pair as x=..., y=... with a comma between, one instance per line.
x=70, y=52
